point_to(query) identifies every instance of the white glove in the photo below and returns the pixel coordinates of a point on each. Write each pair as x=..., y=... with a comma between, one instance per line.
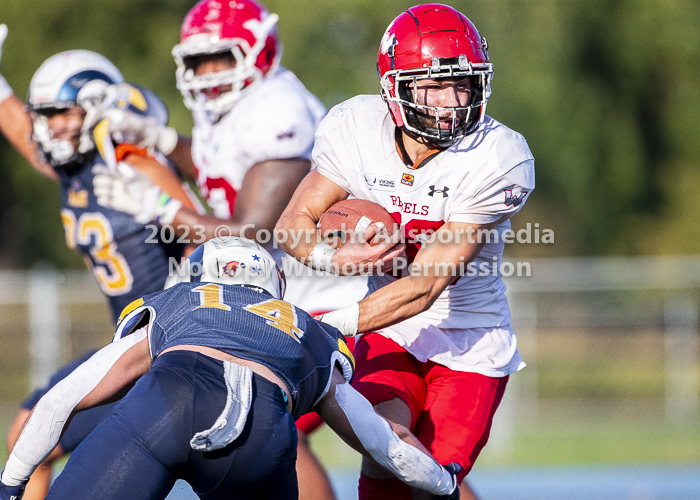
x=5, y=89
x=144, y=131
x=131, y=192
x=346, y=320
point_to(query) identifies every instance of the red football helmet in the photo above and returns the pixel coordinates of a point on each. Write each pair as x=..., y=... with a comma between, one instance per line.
x=243, y=28
x=433, y=41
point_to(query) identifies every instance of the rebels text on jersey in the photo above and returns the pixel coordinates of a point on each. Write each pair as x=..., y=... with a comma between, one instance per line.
x=477, y=180
x=275, y=120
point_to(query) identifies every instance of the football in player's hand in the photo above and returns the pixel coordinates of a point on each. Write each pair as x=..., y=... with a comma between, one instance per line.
x=348, y=217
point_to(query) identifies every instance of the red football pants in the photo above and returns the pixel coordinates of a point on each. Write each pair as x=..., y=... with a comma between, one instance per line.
x=451, y=411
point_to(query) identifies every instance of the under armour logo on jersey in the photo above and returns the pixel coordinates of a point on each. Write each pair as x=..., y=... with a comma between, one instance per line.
x=514, y=200
x=443, y=191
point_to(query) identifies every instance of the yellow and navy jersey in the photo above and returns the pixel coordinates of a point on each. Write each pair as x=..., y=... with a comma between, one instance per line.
x=128, y=259
x=250, y=325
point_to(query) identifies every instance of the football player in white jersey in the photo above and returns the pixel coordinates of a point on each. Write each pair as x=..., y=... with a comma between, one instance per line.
x=442, y=347
x=245, y=164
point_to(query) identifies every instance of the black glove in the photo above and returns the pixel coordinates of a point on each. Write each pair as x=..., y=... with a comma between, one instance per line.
x=11, y=492
x=454, y=468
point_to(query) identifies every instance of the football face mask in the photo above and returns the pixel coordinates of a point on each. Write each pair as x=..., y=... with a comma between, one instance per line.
x=244, y=34
x=440, y=108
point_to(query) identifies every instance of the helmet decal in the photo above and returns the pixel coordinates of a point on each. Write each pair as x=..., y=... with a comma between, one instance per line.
x=234, y=261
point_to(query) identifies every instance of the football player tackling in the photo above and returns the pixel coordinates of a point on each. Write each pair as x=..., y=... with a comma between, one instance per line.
x=220, y=367
x=51, y=133
x=442, y=348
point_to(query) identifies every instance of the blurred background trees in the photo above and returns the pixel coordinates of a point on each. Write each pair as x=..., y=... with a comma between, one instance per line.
x=607, y=93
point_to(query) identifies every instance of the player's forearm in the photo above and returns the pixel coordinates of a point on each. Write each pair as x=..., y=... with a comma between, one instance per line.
x=438, y=263
x=296, y=228
x=375, y=438
x=16, y=126
x=398, y=301
x=181, y=157
x=297, y=235
x=196, y=227
x=387, y=306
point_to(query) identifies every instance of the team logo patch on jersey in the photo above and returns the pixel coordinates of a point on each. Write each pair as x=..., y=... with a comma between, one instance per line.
x=78, y=198
x=444, y=191
x=407, y=179
x=514, y=200
x=380, y=182
x=230, y=268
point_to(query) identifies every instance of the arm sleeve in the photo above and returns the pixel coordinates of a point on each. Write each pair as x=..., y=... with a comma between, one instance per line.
x=505, y=195
x=406, y=462
x=43, y=429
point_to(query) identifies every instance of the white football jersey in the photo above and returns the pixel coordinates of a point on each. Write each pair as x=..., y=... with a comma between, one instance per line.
x=275, y=120
x=478, y=180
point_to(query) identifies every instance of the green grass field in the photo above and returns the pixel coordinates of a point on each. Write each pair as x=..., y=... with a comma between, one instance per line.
x=564, y=442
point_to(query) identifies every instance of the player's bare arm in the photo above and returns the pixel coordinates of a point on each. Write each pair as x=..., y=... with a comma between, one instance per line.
x=314, y=196
x=265, y=190
x=15, y=123
x=393, y=446
x=296, y=228
x=440, y=261
x=264, y=193
x=181, y=157
x=16, y=126
x=436, y=266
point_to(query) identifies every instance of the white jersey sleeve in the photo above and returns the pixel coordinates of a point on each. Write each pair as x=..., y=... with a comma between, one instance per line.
x=507, y=179
x=280, y=122
x=327, y=152
x=505, y=195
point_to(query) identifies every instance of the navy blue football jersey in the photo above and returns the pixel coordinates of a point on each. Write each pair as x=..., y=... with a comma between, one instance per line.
x=250, y=325
x=127, y=259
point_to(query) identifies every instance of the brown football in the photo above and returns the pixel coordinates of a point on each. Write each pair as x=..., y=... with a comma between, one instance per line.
x=346, y=217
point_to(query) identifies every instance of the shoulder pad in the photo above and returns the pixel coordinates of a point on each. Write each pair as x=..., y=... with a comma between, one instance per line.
x=134, y=316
